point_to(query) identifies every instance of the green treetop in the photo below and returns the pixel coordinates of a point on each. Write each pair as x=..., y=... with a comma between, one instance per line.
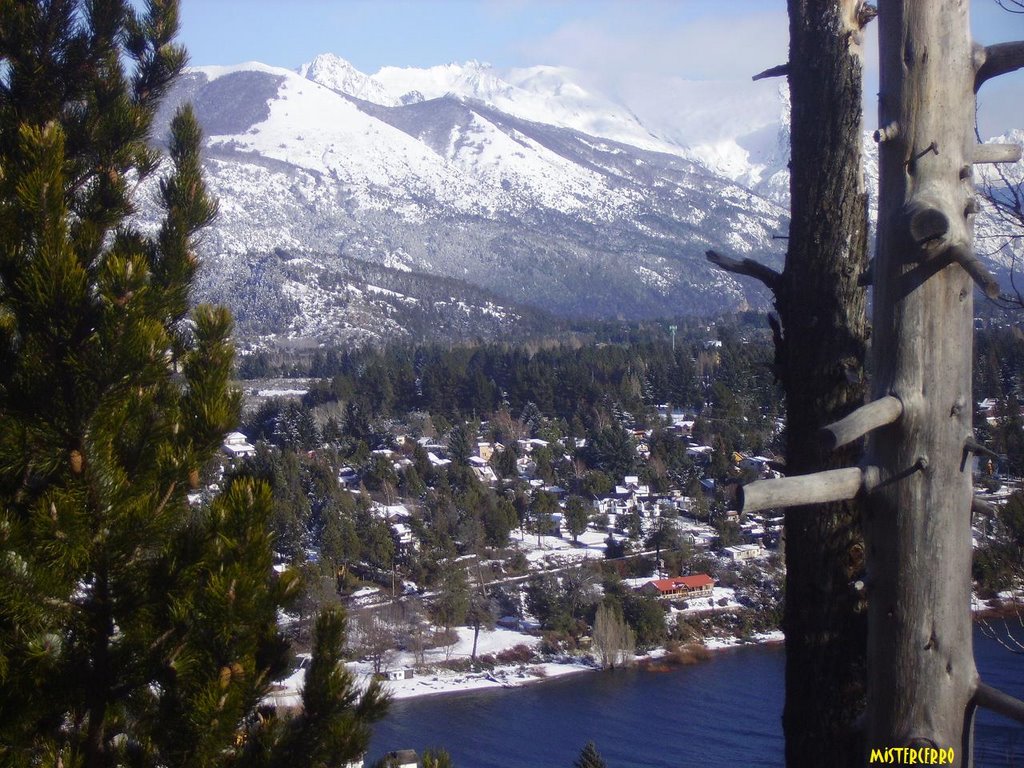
x=133, y=629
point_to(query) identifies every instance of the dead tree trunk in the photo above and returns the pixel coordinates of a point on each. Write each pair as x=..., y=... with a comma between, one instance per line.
x=922, y=678
x=820, y=351
x=821, y=359
x=922, y=684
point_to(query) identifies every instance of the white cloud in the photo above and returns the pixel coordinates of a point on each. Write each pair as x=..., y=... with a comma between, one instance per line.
x=654, y=39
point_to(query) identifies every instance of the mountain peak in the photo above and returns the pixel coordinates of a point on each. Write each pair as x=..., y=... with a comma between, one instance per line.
x=338, y=74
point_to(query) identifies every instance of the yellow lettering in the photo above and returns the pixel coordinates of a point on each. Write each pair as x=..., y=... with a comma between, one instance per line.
x=913, y=753
x=876, y=756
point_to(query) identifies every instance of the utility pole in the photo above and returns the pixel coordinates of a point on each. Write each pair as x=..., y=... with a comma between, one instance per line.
x=672, y=329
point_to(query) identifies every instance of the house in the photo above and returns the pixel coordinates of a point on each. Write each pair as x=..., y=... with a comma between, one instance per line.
x=404, y=540
x=437, y=461
x=527, y=446
x=405, y=673
x=759, y=464
x=697, y=585
x=347, y=476
x=237, y=446
x=482, y=470
x=485, y=450
x=743, y=552
x=700, y=453
x=526, y=466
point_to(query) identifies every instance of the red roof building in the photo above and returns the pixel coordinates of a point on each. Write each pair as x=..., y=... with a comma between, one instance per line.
x=697, y=585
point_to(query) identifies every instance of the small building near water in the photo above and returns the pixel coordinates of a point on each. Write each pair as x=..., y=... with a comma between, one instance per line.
x=696, y=585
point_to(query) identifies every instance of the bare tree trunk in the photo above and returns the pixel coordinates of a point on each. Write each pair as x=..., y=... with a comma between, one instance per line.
x=821, y=360
x=921, y=665
x=922, y=685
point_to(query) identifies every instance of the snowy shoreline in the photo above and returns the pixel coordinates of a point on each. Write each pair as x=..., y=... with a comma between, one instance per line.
x=439, y=681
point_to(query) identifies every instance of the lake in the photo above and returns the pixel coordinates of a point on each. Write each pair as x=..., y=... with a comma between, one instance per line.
x=721, y=713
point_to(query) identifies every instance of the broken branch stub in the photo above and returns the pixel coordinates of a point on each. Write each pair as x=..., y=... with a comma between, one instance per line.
x=995, y=60
x=869, y=417
x=995, y=153
x=982, y=507
x=1002, y=703
x=747, y=267
x=782, y=70
x=974, y=267
x=816, y=488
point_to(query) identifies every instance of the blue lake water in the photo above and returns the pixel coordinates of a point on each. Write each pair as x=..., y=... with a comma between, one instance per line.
x=724, y=712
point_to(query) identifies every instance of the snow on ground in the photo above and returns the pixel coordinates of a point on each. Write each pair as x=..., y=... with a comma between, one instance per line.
x=555, y=551
x=713, y=603
x=717, y=643
x=438, y=680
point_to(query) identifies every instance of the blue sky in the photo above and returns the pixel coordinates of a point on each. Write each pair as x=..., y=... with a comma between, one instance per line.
x=692, y=39
x=374, y=33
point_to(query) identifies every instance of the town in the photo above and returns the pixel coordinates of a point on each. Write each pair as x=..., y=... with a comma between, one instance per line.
x=591, y=531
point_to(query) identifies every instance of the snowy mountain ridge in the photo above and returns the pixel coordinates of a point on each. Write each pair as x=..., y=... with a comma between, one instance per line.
x=526, y=185
x=721, y=125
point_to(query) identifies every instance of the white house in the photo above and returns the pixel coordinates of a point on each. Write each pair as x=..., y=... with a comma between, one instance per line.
x=743, y=552
x=237, y=446
x=403, y=536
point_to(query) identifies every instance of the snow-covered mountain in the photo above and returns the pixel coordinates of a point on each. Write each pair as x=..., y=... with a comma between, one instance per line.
x=351, y=203
x=529, y=187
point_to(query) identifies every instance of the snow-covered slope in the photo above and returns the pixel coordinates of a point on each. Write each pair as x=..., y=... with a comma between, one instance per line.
x=528, y=185
x=544, y=94
x=325, y=171
x=339, y=75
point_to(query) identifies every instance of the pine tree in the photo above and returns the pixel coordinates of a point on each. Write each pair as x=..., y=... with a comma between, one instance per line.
x=133, y=629
x=589, y=758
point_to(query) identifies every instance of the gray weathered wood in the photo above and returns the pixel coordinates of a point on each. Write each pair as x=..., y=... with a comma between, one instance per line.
x=997, y=60
x=747, y=267
x=996, y=701
x=921, y=673
x=982, y=507
x=974, y=267
x=995, y=153
x=816, y=488
x=871, y=416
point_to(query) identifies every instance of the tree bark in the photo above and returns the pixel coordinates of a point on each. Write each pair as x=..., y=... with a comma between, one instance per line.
x=821, y=357
x=921, y=666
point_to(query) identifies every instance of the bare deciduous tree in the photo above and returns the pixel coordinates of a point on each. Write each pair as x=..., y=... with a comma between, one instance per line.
x=614, y=642
x=376, y=637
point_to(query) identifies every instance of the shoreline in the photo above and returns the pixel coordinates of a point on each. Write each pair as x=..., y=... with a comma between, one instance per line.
x=441, y=682
x=518, y=676
x=438, y=681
